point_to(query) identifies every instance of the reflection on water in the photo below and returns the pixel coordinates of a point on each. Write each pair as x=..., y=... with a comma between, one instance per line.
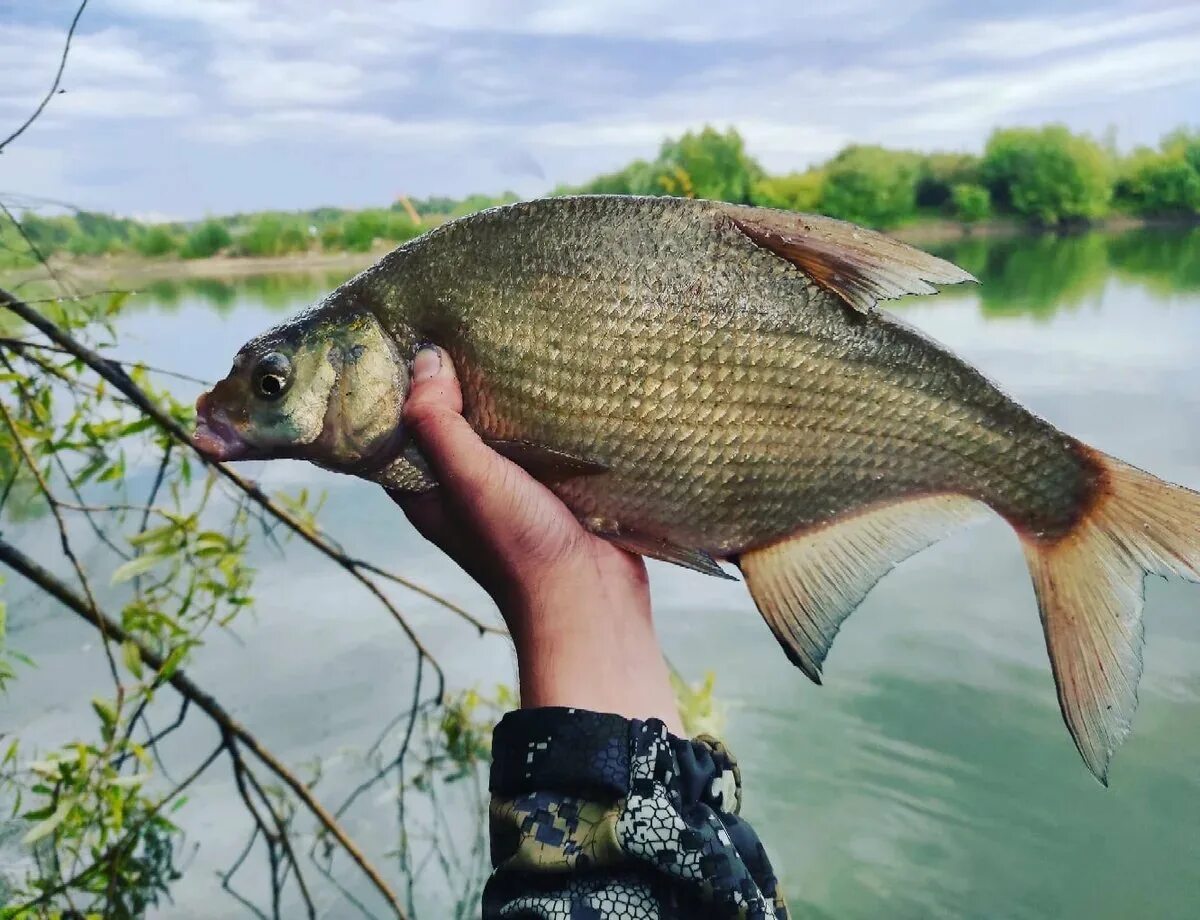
x=931, y=776
x=275, y=292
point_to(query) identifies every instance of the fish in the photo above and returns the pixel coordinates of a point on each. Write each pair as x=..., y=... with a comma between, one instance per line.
x=706, y=383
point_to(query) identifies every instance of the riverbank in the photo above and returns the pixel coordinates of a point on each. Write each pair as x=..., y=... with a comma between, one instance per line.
x=130, y=269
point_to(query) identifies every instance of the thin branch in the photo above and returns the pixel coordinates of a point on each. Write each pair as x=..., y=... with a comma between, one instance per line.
x=130, y=837
x=62, y=65
x=115, y=375
x=23, y=344
x=63, y=532
x=44, y=579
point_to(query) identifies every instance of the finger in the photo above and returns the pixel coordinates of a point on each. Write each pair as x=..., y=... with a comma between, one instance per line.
x=485, y=488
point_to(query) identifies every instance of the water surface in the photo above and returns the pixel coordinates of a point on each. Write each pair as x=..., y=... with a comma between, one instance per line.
x=930, y=777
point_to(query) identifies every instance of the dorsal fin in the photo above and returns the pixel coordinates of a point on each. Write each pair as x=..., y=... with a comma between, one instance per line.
x=859, y=266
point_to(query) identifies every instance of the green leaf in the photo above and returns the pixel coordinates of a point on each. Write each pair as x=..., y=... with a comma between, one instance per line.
x=135, y=567
x=48, y=826
x=132, y=656
x=105, y=710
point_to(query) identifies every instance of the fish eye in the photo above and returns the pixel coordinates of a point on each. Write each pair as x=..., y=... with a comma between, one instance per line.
x=272, y=375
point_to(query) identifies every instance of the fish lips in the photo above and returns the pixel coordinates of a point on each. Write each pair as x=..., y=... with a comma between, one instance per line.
x=216, y=438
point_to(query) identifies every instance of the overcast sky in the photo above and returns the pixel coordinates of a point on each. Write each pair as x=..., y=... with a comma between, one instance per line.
x=179, y=108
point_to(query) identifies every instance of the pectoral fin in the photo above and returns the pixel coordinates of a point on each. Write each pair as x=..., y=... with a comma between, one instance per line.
x=545, y=463
x=806, y=585
x=859, y=266
x=696, y=559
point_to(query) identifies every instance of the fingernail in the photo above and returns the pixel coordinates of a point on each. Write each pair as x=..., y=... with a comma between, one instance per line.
x=427, y=363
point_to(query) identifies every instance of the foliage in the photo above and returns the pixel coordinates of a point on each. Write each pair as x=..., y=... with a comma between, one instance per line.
x=362, y=229
x=1047, y=175
x=272, y=235
x=97, y=452
x=708, y=164
x=792, y=192
x=206, y=240
x=155, y=241
x=871, y=185
x=701, y=164
x=970, y=203
x=939, y=173
x=1162, y=182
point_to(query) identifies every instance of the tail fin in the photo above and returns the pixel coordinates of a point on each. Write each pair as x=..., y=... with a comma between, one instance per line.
x=1089, y=588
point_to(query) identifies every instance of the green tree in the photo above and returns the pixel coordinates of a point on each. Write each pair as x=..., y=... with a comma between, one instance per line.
x=793, y=192
x=970, y=203
x=273, y=235
x=1047, y=175
x=155, y=241
x=871, y=185
x=708, y=164
x=939, y=173
x=206, y=240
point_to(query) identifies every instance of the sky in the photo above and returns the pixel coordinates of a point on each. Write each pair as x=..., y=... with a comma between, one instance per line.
x=181, y=108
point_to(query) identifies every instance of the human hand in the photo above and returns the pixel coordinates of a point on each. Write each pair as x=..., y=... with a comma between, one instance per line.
x=578, y=608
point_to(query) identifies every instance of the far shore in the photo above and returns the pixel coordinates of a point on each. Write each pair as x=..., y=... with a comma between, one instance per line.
x=130, y=269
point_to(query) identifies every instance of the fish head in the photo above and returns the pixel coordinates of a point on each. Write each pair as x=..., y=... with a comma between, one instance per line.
x=326, y=386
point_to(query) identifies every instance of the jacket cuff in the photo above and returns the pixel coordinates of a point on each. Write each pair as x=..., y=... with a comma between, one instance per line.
x=587, y=754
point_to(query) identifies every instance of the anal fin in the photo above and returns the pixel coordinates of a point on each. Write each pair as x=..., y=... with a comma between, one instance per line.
x=806, y=585
x=696, y=559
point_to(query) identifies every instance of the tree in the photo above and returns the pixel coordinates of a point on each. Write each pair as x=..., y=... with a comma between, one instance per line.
x=155, y=241
x=939, y=173
x=1047, y=175
x=971, y=203
x=871, y=186
x=206, y=240
x=793, y=192
x=708, y=164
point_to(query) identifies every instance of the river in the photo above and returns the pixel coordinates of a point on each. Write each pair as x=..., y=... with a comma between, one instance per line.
x=931, y=776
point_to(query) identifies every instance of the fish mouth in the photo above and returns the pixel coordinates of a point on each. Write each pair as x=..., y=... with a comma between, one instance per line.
x=215, y=437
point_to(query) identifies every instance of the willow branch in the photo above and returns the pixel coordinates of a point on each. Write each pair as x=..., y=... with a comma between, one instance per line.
x=112, y=372
x=48, y=582
x=62, y=65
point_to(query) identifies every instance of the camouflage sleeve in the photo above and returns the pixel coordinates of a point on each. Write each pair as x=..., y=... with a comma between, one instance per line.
x=597, y=817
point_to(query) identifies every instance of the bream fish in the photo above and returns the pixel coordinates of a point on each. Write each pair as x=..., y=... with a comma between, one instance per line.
x=700, y=381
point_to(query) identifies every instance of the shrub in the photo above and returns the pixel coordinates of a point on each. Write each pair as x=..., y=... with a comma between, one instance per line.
x=1047, y=175
x=793, y=192
x=871, y=185
x=205, y=240
x=708, y=164
x=939, y=173
x=970, y=202
x=154, y=242
x=273, y=235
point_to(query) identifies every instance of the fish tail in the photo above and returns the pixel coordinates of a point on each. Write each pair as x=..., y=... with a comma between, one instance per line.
x=1089, y=585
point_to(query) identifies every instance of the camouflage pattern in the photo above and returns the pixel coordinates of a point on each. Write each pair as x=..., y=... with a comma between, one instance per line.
x=595, y=817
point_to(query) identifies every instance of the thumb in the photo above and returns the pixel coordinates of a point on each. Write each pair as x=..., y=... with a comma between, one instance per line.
x=489, y=491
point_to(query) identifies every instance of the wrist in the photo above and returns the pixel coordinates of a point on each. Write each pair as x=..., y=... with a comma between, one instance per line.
x=587, y=647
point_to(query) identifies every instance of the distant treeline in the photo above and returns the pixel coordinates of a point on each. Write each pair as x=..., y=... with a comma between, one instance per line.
x=1047, y=177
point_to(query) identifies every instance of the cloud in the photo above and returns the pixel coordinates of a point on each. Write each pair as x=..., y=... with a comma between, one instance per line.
x=369, y=96
x=110, y=74
x=253, y=81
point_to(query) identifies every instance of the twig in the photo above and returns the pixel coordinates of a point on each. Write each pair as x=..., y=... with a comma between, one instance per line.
x=126, y=840
x=62, y=64
x=23, y=344
x=44, y=579
x=115, y=374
